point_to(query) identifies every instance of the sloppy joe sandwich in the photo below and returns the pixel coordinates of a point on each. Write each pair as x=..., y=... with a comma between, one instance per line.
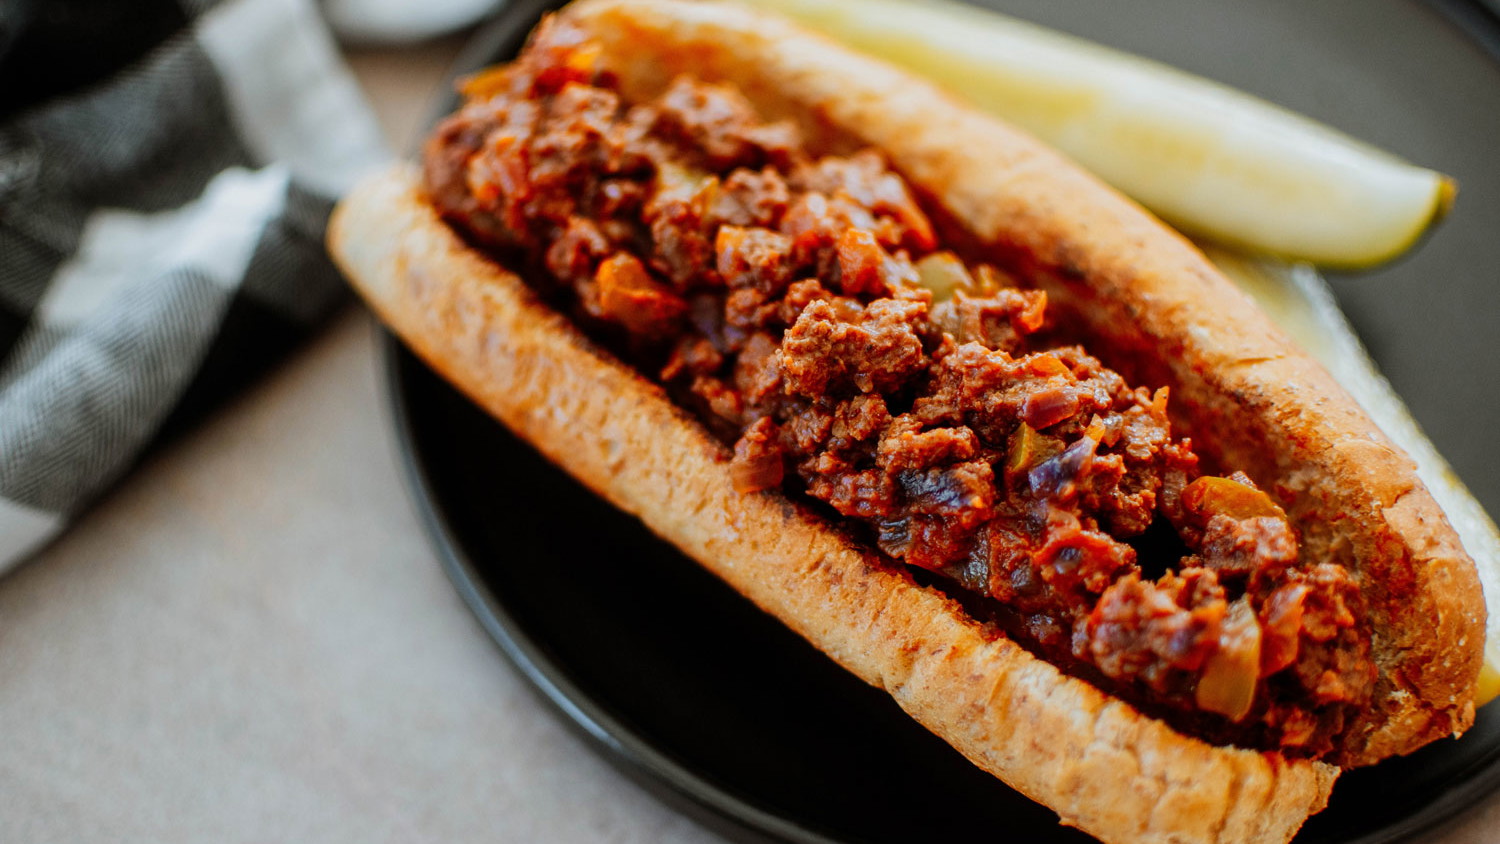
x=980, y=429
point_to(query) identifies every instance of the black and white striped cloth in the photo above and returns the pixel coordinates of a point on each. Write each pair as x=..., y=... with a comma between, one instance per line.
x=161, y=225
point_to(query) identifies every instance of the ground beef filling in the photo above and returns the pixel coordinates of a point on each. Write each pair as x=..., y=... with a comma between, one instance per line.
x=803, y=308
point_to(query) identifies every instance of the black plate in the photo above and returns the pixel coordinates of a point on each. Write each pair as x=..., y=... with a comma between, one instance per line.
x=722, y=711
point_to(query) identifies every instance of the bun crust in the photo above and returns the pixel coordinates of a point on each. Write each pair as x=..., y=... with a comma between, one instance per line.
x=1098, y=763
x=1154, y=308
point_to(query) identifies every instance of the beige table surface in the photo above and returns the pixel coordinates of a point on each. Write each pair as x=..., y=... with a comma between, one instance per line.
x=250, y=640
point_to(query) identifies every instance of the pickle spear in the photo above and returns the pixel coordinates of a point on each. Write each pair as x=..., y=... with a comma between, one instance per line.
x=1211, y=160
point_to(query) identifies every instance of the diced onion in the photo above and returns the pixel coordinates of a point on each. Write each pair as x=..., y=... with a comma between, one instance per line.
x=1229, y=679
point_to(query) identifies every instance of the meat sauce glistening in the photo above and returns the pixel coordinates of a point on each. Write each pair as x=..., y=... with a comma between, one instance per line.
x=804, y=309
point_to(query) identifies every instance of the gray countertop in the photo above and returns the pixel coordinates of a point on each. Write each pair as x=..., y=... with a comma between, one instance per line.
x=250, y=640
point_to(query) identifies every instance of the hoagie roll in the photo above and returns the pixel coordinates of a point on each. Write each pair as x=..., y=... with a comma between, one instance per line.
x=977, y=427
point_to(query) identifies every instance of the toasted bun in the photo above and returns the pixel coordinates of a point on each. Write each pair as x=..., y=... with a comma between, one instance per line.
x=1158, y=310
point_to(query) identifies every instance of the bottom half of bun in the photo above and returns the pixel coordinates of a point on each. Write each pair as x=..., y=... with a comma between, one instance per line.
x=1095, y=760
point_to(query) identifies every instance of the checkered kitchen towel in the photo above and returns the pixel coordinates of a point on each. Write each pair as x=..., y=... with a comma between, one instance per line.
x=161, y=224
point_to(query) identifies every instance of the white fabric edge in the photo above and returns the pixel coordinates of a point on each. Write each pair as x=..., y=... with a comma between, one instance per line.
x=23, y=530
x=215, y=233
x=291, y=97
